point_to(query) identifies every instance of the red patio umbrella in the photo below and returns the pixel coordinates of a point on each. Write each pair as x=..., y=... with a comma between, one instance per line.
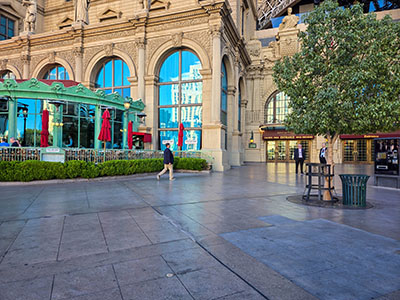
x=180, y=136
x=105, y=134
x=130, y=133
x=44, y=135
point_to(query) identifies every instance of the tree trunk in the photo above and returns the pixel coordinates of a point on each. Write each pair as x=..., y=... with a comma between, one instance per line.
x=329, y=180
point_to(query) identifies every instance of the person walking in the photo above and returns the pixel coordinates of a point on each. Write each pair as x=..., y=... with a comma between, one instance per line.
x=168, y=163
x=323, y=152
x=299, y=156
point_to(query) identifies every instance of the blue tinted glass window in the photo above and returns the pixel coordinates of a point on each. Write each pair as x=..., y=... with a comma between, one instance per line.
x=224, y=80
x=170, y=137
x=100, y=79
x=108, y=91
x=126, y=74
x=3, y=21
x=192, y=93
x=169, y=94
x=184, y=96
x=119, y=91
x=126, y=92
x=191, y=116
x=170, y=68
x=112, y=74
x=224, y=102
x=108, y=82
x=117, y=72
x=168, y=117
x=191, y=140
x=191, y=66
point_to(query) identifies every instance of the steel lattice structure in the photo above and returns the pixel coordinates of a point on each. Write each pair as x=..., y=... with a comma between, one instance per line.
x=269, y=9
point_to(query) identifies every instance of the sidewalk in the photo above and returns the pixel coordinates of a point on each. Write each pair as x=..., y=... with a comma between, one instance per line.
x=226, y=235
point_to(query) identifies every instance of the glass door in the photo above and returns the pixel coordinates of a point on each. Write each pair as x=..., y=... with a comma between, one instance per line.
x=358, y=151
x=281, y=150
x=270, y=151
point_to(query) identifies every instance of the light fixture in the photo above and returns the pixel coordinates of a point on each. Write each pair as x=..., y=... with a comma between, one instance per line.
x=141, y=116
x=127, y=103
x=252, y=137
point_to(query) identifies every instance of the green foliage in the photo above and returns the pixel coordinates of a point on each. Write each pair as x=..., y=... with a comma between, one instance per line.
x=191, y=164
x=41, y=170
x=346, y=78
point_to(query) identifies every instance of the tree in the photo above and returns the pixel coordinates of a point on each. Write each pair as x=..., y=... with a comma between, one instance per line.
x=346, y=78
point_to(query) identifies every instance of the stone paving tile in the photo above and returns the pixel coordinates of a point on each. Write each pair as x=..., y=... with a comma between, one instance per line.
x=83, y=282
x=329, y=249
x=135, y=271
x=121, y=231
x=8, y=233
x=165, y=235
x=269, y=282
x=113, y=294
x=211, y=283
x=160, y=289
x=190, y=260
x=246, y=295
x=36, y=289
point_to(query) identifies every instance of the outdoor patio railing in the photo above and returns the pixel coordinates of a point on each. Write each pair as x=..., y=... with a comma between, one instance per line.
x=95, y=155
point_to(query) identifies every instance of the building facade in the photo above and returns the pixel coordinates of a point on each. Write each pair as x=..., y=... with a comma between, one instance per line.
x=201, y=63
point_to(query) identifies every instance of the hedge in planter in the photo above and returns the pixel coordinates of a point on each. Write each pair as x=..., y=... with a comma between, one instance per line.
x=41, y=170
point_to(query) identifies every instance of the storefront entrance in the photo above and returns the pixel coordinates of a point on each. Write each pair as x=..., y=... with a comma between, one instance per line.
x=282, y=150
x=358, y=151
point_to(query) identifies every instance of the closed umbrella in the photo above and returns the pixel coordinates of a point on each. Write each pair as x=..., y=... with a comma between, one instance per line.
x=180, y=136
x=44, y=135
x=105, y=133
x=130, y=133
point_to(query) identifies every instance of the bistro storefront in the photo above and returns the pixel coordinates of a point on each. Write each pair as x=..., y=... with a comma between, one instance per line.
x=280, y=145
x=74, y=113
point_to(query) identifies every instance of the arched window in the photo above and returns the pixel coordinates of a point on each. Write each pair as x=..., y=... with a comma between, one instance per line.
x=113, y=77
x=56, y=72
x=276, y=109
x=224, y=95
x=7, y=75
x=180, y=98
x=239, y=110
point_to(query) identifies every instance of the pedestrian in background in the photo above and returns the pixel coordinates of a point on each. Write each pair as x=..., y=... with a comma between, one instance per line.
x=14, y=142
x=299, y=157
x=323, y=152
x=168, y=163
x=4, y=143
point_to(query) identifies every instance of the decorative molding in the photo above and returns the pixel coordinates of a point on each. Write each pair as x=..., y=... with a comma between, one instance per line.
x=3, y=64
x=177, y=39
x=140, y=42
x=25, y=58
x=66, y=21
x=157, y=4
x=52, y=57
x=109, y=49
x=215, y=31
x=109, y=14
x=78, y=51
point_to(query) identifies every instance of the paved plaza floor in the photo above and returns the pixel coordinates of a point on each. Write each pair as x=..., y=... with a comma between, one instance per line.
x=230, y=235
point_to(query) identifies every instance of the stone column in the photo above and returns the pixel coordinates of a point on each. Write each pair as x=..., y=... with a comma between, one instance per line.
x=216, y=74
x=25, y=58
x=12, y=118
x=78, y=53
x=57, y=126
x=97, y=127
x=141, y=42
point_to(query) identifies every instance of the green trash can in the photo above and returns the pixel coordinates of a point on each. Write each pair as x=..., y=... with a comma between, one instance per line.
x=354, y=189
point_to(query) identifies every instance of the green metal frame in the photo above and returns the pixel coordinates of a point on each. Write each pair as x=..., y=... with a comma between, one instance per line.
x=35, y=89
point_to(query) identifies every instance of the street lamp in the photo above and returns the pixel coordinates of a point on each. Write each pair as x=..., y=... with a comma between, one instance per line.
x=24, y=114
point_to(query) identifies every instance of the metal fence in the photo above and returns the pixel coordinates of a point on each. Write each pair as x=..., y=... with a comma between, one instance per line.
x=96, y=156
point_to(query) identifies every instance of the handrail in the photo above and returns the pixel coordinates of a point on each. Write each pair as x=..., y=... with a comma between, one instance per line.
x=96, y=155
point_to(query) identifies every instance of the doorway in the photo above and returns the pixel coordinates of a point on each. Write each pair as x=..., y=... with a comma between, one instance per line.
x=283, y=150
x=358, y=151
